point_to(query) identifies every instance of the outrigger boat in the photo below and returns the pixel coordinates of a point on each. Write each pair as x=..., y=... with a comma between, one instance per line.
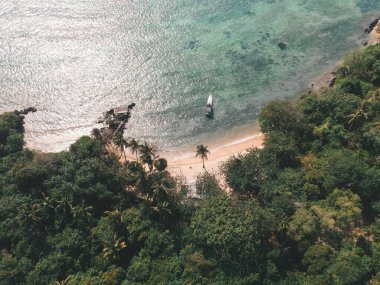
x=209, y=106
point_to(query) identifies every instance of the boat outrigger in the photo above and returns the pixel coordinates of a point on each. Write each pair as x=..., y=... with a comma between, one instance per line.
x=209, y=107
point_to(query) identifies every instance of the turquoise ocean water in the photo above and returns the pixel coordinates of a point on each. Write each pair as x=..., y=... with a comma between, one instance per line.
x=74, y=59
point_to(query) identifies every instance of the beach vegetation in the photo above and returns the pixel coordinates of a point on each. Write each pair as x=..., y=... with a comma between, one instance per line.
x=207, y=184
x=134, y=147
x=160, y=164
x=202, y=152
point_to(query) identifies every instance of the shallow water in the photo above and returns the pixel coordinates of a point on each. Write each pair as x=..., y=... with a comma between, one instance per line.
x=74, y=59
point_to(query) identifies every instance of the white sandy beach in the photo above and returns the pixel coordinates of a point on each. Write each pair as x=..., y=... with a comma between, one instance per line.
x=184, y=163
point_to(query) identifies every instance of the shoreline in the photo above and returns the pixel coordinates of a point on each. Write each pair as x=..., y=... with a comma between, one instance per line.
x=237, y=140
x=374, y=35
x=184, y=163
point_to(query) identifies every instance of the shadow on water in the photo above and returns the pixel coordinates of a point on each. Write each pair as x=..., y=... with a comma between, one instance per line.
x=210, y=116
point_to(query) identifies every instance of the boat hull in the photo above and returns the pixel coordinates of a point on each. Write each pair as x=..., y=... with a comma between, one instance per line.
x=209, y=109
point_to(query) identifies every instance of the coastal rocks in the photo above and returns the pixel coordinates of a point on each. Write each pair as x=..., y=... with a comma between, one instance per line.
x=28, y=110
x=372, y=25
x=227, y=34
x=282, y=45
x=23, y=112
x=193, y=44
x=332, y=81
x=342, y=71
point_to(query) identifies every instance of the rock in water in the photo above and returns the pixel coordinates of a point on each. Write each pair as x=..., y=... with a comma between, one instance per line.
x=372, y=25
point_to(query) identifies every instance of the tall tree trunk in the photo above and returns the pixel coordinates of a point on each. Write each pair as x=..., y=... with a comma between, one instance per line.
x=150, y=165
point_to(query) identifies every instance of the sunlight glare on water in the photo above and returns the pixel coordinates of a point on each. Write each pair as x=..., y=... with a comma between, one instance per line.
x=74, y=59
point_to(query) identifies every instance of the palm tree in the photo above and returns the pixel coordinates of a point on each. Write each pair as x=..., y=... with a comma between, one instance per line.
x=147, y=149
x=202, y=152
x=102, y=137
x=121, y=143
x=97, y=135
x=135, y=176
x=147, y=158
x=361, y=114
x=134, y=146
x=113, y=247
x=163, y=210
x=160, y=199
x=81, y=211
x=64, y=205
x=107, y=135
x=357, y=116
x=147, y=155
x=63, y=282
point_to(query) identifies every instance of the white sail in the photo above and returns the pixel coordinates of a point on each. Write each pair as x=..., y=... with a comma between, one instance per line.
x=209, y=106
x=209, y=101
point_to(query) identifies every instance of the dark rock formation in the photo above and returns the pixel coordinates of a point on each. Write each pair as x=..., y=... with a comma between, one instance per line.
x=25, y=111
x=282, y=45
x=372, y=25
x=332, y=81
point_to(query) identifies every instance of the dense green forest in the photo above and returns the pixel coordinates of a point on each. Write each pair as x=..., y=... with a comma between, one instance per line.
x=305, y=209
